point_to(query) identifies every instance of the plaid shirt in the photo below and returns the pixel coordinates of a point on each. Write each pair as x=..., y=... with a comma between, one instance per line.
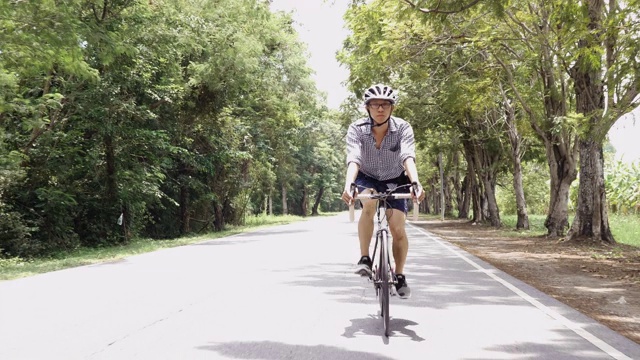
x=387, y=162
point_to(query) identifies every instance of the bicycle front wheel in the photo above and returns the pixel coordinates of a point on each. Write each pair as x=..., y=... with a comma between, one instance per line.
x=384, y=282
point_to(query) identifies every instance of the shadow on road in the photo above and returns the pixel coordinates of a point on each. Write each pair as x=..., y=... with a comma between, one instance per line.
x=269, y=350
x=372, y=325
x=561, y=348
x=438, y=279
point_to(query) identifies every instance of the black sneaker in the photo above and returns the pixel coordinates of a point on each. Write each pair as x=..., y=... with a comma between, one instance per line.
x=402, y=288
x=364, y=266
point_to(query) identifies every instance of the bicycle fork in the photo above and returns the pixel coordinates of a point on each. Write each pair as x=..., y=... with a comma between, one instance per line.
x=382, y=238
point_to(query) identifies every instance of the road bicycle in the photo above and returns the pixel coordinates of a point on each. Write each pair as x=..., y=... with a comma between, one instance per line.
x=383, y=276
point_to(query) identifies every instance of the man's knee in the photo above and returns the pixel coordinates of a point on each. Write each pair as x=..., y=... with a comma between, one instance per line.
x=398, y=233
x=368, y=208
x=368, y=213
x=397, y=225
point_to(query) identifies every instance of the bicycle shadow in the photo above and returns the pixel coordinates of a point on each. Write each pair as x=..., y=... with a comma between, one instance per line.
x=271, y=350
x=372, y=325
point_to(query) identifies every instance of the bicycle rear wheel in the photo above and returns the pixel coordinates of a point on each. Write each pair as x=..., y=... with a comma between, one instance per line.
x=384, y=282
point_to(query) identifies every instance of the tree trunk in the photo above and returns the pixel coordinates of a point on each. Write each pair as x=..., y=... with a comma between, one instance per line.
x=466, y=189
x=126, y=229
x=592, y=220
x=483, y=166
x=442, y=186
x=266, y=205
x=562, y=154
x=185, y=226
x=458, y=186
x=560, y=143
x=521, y=204
x=491, y=203
x=304, y=202
x=218, y=217
x=316, y=204
x=285, y=209
x=516, y=154
x=110, y=159
x=474, y=190
x=435, y=194
x=448, y=200
x=229, y=213
x=560, y=146
x=426, y=205
x=465, y=204
x=562, y=170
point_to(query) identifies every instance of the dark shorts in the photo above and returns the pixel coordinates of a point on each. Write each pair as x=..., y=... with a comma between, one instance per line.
x=368, y=182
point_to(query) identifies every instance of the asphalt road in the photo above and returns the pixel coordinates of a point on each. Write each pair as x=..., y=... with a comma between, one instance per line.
x=288, y=292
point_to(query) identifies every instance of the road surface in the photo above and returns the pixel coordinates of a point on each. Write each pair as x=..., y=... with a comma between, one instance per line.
x=289, y=292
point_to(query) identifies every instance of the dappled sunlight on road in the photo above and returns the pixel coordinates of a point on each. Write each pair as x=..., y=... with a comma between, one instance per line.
x=289, y=292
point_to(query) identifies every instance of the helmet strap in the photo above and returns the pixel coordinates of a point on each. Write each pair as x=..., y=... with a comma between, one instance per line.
x=373, y=122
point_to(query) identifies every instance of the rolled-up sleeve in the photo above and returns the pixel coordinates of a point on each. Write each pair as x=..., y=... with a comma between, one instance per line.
x=407, y=143
x=354, y=146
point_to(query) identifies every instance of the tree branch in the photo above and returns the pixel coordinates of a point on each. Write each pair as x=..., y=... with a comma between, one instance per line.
x=104, y=10
x=624, y=106
x=156, y=104
x=437, y=10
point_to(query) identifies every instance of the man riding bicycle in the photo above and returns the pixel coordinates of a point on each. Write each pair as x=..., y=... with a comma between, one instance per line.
x=381, y=156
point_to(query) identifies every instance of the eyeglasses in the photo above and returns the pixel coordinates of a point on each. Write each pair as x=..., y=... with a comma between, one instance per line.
x=384, y=105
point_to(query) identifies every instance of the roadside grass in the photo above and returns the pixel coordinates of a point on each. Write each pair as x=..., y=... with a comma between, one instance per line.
x=625, y=228
x=14, y=268
x=536, y=225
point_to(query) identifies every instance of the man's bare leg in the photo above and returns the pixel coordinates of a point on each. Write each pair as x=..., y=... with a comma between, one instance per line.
x=365, y=226
x=365, y=232
x=396, y=219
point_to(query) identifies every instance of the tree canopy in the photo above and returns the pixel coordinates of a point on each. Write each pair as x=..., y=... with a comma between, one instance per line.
x=500, y=83
x=158, y=118
x=162, y=118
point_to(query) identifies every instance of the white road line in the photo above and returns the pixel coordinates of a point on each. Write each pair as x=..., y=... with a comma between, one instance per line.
x=610, y=350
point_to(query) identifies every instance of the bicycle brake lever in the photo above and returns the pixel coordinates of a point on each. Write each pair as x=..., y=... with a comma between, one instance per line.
x=353, y=190
x=353, y=201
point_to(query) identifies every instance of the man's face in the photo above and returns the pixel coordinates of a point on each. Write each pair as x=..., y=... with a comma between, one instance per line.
x=380, y=110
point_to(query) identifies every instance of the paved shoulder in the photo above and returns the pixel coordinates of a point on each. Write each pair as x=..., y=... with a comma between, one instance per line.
x=507, y=300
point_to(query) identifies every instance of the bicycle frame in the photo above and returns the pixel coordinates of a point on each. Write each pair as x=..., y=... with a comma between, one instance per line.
x=382, y=235
x=383, y=275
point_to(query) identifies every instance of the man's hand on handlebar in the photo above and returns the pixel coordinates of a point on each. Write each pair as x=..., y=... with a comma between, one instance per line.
x=349, y=193
x=418, y=192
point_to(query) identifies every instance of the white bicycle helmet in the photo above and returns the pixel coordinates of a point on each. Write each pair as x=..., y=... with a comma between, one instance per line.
x=380, y=92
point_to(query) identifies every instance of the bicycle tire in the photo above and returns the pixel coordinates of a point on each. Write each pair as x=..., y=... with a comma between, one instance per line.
x=384, y=282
